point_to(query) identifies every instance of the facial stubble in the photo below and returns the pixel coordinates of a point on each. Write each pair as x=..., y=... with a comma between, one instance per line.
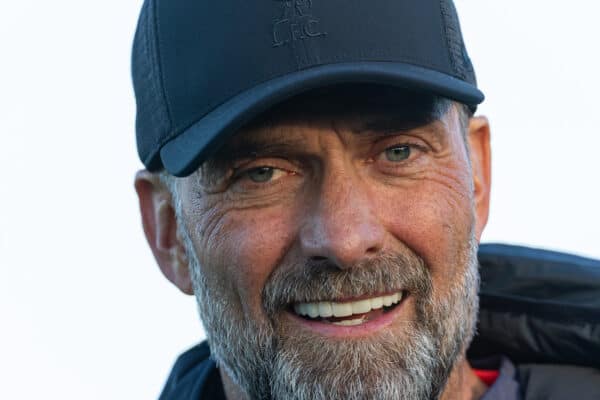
x=268, y=359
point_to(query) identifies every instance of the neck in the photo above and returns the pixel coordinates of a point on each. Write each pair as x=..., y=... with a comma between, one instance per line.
x=232, y=391
x=462, y=384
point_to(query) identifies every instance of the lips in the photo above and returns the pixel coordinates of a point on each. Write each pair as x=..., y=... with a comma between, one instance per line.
x=348, y=313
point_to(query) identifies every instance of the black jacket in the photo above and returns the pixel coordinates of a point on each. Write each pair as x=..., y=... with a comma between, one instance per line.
x=541, y=309
x=538, y=308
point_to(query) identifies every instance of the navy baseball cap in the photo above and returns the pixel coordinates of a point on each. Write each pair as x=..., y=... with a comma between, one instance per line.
x=203, y=69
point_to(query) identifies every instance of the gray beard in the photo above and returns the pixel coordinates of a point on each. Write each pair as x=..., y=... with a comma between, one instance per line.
x=269, y=362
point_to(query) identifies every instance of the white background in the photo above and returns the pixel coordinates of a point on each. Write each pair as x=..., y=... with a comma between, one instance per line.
x=85, y=313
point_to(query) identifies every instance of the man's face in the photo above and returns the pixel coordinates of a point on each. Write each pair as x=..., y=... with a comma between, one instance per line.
x=304, y=216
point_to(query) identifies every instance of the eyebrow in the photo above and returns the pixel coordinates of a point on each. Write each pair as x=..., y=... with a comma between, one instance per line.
x=256, y=147
x=389, y=126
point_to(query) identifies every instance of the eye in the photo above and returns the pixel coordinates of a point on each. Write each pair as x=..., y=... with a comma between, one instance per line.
x=398, y=153
x=257, y=175
x=261, y=174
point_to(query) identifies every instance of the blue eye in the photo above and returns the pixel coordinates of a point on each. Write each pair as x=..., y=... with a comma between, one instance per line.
x=397, y=153
x=261, y=174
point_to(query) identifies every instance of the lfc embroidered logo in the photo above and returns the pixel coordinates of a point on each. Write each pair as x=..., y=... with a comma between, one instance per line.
x=295, y=23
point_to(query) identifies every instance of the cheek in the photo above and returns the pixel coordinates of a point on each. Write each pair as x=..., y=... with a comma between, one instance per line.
x=242, y=249
x=434, y=218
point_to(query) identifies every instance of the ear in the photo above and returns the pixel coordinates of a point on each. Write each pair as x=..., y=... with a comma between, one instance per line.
x=481, y=163
x=160, y=227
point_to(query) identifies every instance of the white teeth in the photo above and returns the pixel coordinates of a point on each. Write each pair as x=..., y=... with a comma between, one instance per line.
x=300, y=308
x=361, y=306
x=376, y=303
x=388, y=300
x=349, y=322
x=327, y=309
x=313, y=310
x=341, y=309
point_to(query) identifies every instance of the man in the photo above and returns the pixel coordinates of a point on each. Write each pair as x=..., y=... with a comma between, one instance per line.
x=315, y=176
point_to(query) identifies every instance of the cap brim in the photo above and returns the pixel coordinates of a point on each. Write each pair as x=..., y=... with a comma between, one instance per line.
x=183, y=155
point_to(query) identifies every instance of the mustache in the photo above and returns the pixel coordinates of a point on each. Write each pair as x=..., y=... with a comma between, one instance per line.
x=322, y=280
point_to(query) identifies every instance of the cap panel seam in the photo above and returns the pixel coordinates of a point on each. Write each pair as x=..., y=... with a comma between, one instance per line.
x=160, y=66
x=446, y=14
x=153, y=82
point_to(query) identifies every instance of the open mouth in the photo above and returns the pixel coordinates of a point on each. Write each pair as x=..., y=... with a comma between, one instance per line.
x=349, y=313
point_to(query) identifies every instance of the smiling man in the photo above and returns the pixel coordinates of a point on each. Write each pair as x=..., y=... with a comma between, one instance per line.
x=315, y=176
x=332, y=246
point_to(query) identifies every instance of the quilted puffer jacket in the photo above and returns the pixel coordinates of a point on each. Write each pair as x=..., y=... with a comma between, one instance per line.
x=541, y=309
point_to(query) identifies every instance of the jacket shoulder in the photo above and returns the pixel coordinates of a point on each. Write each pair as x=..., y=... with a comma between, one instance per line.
x=538, y=307
x=558, y=382
x=192, y=375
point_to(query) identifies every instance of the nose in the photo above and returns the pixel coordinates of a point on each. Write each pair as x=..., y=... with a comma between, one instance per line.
x=341, y=224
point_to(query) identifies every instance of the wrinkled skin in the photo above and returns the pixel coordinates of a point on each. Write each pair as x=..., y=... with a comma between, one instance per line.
x=330, y=194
